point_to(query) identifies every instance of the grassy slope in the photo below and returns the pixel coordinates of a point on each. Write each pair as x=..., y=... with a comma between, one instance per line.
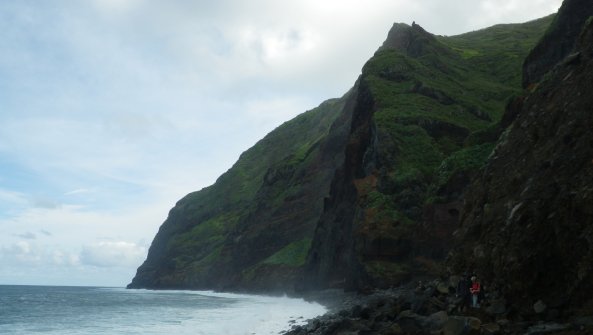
x=190, y=242
x=499, y=51
x=430, y=111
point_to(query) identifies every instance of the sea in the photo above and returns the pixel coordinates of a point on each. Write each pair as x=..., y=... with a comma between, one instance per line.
x=103, y=310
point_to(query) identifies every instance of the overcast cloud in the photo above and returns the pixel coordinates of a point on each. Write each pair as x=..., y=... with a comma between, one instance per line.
x=112, y=110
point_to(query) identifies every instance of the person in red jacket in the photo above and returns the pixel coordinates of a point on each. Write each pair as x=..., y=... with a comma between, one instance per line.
x=475, y=289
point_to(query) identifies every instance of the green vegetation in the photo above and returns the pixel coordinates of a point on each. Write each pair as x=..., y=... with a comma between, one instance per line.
x=387, y=269
x=200, y=223
x=435, y=113
x=499, y=51
x=462, y=161
x=293, y=254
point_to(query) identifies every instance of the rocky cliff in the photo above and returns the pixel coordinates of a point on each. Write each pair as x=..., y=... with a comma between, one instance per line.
x=361, y=192
x=527, y=225
x=425, y=119
x=559, y=41
x=252, y=229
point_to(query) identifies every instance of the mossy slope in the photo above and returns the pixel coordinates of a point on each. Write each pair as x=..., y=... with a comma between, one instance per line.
x=251, y=217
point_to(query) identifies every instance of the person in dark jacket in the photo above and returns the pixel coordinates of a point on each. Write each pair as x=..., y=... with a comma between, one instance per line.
x=463, y=292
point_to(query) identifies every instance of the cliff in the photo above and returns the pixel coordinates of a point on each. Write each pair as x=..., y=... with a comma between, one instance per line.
x=528, y=218
x=559, y=41
x=425, y=119
x=364, y=191
x=252, y=229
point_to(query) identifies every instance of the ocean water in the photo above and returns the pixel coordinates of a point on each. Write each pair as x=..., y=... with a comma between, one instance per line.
x=96, y=310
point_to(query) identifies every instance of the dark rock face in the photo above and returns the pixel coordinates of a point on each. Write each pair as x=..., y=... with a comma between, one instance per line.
x=528, y=219
x=395, y=202
x=559, y=40
x=331, y=260
x=252, y=229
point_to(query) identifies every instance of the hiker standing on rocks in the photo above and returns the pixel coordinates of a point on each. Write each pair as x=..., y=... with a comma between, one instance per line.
x=463, y=293
x=475, y=291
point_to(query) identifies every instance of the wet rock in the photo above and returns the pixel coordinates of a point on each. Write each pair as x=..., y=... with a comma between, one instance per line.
x=312, y=325
x=503, y=322
x=394, y=329
x=583, y=321
x=539, y=307
x=437, y=320
x=497, y=307
x=474, y=323
x=409, y=326
x=365, y=313
x=454, y=281
x=410, y=322
x=442, y=288
x=455, y=326
x=547, y=328
x=491, y=329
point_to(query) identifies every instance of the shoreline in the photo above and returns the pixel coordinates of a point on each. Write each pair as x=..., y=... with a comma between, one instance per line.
x=432, y=308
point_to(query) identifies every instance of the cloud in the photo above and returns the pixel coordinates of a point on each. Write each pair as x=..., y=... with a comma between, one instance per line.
x=112, y=254
x=61, y=258
x=79, y=191
x=12, y=197
x=27, y=236
x=22, y=253
x=137, y=103
x=116, y=6
x=45, y=202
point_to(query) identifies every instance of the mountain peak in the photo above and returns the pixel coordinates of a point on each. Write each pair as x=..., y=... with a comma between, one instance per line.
x=407, y=39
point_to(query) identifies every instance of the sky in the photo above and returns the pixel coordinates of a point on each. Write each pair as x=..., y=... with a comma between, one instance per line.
x=112, y=110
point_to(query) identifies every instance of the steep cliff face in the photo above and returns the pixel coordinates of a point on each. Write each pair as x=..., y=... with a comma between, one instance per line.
x=527, y=226
x=252, y=229
x=363, y=191
x=559, y=41
x=424, y=120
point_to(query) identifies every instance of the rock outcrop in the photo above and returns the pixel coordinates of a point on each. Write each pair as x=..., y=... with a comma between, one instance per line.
x=413, y=147
x=252, y=229
x=527, y=223
x=428, y=310
x=559, y=41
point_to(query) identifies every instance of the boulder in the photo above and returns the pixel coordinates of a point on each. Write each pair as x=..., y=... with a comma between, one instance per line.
x=395, y=329
x=442, y=288
x=474, y=323
x=539, y=307
x=454, y=281
x=546, y=328
x=497, y=307
x=583, y=321
x=437, y=320
x=491, y=328
x=455, y=325
x=409, y=326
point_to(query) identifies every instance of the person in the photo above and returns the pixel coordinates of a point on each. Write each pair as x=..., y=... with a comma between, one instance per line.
x=463, y=293
x=420, y=287
x=475, y=291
